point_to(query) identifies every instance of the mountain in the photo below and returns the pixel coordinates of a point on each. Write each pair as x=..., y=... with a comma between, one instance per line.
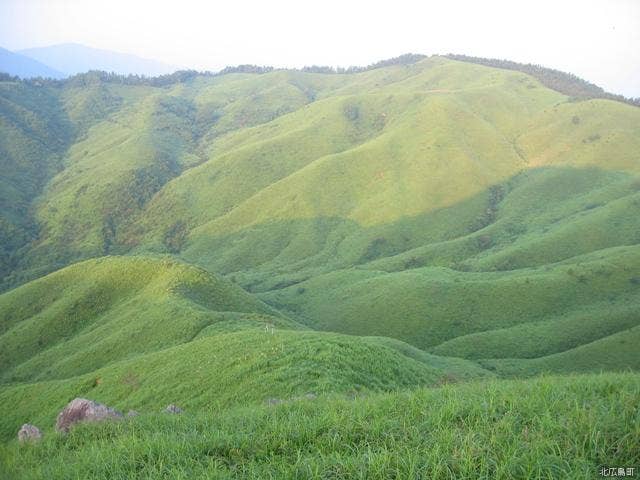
x=324, y=248
x=416, y=201
x=25, y=67
x=73, y=58
x=175, y=330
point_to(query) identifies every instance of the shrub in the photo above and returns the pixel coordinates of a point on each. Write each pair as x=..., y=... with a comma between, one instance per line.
x=175, y=237
x=484, y=242
x=352, y=112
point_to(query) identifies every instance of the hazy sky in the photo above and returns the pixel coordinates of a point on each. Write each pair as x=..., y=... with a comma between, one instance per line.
x=598, y=40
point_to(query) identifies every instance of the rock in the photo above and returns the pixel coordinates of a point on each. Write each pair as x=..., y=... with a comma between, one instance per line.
x=355, y=394
x=29, y=433
x=132, y=413
x=273, y=401
x=173, y=409
x=83, y=410
x=306, y=396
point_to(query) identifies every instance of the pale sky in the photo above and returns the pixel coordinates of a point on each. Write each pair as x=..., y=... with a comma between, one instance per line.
x=598, y=40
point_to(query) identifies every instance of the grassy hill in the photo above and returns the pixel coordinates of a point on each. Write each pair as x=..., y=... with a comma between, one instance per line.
x=477, y=314
x=325, y=171
x=90, y=314
x=144, y=332
x=225, y=241
x=227, y=369
x=498, y=430
x=34, y=133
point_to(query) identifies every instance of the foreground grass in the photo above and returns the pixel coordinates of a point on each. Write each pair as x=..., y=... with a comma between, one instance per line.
x=553, y=427
x=228, y=370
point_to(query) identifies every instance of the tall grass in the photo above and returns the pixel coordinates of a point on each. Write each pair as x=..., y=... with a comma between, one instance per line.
x=553, y=427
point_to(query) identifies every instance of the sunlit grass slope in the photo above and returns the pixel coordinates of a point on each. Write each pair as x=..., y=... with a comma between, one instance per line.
x=288, y=233
x=143, y=332
x=286, y=175
x=251, y=366
x=525, y=313
x=453, y=206
x=555, y=427
x=93, y=313
x=428, y=151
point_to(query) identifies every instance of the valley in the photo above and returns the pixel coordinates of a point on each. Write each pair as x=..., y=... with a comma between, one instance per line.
x=307, y=262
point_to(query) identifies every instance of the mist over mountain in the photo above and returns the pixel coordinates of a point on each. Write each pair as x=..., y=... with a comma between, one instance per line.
x=25, y=67
x=73, y=58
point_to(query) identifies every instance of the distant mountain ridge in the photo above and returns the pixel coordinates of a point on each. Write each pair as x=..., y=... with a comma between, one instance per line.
x=25, y=67
x=71, y=58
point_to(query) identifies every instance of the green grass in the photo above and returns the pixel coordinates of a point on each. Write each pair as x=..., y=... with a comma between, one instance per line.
x=93, y=313
x=142, y=332
x=567, y=304
x=615, y=352
x=258, y=237
x=554, y=427
x=239, y=368
x=546, y=337
x=178, y=169
x=34, y=133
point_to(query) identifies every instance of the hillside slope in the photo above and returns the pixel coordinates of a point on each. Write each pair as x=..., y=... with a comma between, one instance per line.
x=266, y=247
x=524, y=313
x=498, y=430
x=325, y=171
x=93, y=313
x=450, y=205
x=34, y=134
x=252, y=366
x=446, y=204
x=140, y=332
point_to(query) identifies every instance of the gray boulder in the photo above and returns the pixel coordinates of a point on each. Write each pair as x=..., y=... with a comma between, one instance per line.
x=173, y=409
x=29, y=433
x=83, y=410
x=306, y=396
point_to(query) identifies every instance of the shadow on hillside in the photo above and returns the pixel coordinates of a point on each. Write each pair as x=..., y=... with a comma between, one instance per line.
x=539, y=216
x=529, y=220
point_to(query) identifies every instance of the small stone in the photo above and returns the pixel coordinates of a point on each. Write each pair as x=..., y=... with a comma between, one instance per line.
x=29, y=433
x=173, y=409
x=83, y=410
x=306, y=396
x=273, y=401
x=132, y=413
